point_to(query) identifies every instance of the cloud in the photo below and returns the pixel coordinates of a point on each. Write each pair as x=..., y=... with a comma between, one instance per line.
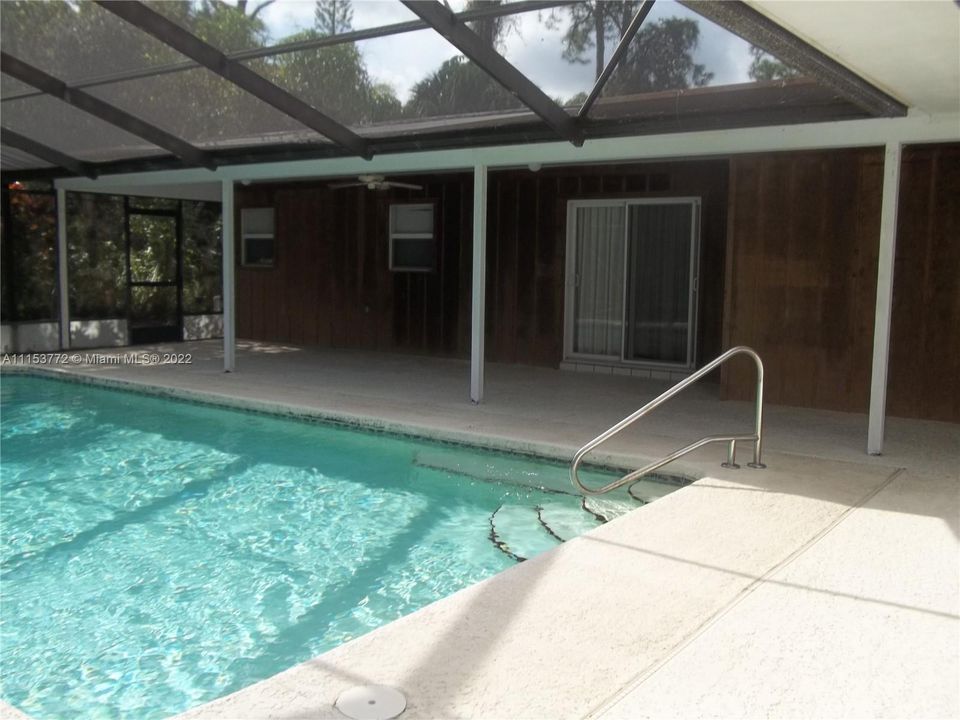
x=533, y=47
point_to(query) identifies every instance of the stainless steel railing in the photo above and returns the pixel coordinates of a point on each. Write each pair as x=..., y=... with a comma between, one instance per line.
x=756, y=437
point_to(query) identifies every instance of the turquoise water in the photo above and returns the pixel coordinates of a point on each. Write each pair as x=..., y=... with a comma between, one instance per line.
x=159, y=554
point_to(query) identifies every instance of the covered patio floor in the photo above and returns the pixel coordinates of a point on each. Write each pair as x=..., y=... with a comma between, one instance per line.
x=824, y=586
x=525, y=408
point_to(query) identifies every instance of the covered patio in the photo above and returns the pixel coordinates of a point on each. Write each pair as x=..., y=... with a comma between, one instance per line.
x=820, y=170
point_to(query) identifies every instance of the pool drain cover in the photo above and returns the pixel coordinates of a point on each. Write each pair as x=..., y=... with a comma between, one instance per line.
x=371, y=702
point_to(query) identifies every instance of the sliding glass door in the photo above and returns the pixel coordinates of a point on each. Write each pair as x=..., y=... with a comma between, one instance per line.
x=631, y=281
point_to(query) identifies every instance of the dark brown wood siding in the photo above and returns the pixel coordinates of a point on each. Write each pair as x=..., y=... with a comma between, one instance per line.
x=801, y=275
x=924, y=373
x=331, y=285
x=527, y=248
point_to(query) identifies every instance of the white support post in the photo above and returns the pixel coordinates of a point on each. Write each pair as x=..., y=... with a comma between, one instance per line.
x=881, y=325
x=229, y=284
x=479, y=288
x=63, y=285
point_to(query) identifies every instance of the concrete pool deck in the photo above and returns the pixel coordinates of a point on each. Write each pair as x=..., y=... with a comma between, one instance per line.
x=824, y=586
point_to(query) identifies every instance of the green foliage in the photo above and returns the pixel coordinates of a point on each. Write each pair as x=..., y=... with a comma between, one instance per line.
x=202, y=257
x=333, y=78
x=764, y=66
x=96, y=251
x=32, y=253
x=458, y=87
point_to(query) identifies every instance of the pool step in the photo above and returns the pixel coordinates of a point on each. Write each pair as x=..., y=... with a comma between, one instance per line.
x=500, y=470
x=563, y=521
x=516, y=531
x=605, y=508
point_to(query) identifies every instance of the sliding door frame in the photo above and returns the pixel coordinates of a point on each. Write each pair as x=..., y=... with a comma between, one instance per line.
x=570, y=282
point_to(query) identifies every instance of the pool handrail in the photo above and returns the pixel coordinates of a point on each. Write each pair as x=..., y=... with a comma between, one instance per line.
x=756, y=437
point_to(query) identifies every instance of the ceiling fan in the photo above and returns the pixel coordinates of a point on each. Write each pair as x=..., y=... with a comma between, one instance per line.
x=374, y=182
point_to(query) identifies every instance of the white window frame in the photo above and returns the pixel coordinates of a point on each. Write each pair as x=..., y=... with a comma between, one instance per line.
x=423, y=237
x=244, y=236
x=570, y=283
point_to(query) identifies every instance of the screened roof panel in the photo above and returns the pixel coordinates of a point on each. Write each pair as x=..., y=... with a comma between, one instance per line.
x=62, y=127
x=538, y=45
x=228, y=27
x=78, y=40
x=200, y=107
x=13, y=159
x=403, y=90
x=678, y=49
x=287, y=20
x=10, y=86
x=363, y=84
x=237, y=26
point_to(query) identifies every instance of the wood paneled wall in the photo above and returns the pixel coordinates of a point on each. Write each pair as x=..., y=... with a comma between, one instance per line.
x=527, y=248
x=331, y=285
x=801, y=275
x=924, y=373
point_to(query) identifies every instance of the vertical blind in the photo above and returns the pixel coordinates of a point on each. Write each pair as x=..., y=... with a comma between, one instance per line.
x=598, y=299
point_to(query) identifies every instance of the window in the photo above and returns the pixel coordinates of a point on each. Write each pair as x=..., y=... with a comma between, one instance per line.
x=412, y=244
x=257, y=236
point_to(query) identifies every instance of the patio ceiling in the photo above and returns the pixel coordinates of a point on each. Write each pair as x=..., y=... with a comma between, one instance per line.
x=98, y=87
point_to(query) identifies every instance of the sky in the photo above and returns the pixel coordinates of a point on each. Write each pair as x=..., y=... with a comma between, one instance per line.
x=402, y=60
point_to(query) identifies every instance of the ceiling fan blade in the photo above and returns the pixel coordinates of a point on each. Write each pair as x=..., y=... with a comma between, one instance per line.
x=411, y=186
x=337, y=186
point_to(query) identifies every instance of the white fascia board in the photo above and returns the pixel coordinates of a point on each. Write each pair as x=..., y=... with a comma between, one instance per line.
x=184, y=189
x=914, y=128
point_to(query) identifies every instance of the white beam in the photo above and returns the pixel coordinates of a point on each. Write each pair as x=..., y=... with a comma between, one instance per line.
x=229, y=282
x=63, y=284
x=479, y=282
x=915, y=128
x=208, y=191
x=881, y=326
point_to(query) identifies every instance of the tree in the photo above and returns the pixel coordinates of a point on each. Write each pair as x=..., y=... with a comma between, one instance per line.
x=457, y=87
x=33, y=256
x=332, y=17
x=334, y=80
x=766, y=67
x=244, y=5
x=491, y=30
x=591, y=25
x=661, y=58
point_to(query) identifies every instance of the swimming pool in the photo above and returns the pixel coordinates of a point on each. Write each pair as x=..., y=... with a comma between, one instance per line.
x=157, y=554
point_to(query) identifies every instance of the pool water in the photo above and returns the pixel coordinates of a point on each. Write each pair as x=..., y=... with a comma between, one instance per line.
x=158, y=554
